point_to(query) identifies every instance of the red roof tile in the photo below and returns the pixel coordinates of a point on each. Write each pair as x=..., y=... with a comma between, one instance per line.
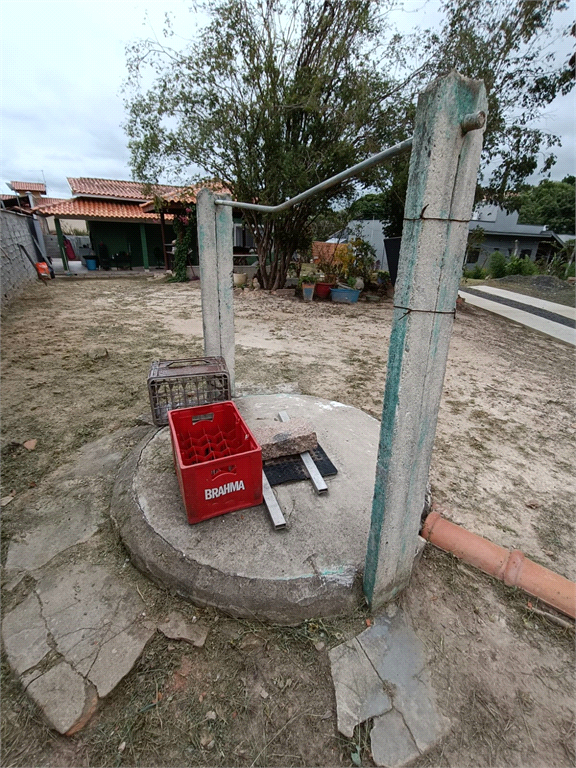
x=50, y=201
x=27, y=186
x=97, y=210
x=126, y=190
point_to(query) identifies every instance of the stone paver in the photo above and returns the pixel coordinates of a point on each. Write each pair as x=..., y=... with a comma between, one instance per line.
x=412, y=725
x=25, y=636
x=82, y=627
x=63, y=685
x=118, y=655
x=391, y=742
x=70, y=515
x=359, y=690
x=88, y=611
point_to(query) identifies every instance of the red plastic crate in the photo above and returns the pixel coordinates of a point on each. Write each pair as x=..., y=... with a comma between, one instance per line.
x=217, y=459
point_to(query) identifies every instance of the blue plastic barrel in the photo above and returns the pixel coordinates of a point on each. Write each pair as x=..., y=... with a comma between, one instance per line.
x=91, y=263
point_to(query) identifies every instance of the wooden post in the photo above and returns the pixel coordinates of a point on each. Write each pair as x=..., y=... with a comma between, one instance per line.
x=215, y=255
x=60, y=237
x=144, y=248
x=442, y=181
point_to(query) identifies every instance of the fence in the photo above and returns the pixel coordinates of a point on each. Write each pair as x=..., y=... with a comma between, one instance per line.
x=446, y=148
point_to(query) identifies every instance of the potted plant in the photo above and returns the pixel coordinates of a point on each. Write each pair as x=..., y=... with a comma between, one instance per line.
x=328, y=279
x=345, y=292
x=307, y=284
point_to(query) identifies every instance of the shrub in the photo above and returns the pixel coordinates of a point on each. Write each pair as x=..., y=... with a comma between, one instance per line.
x=497, y=265
x=520, y=265
x=476, y=273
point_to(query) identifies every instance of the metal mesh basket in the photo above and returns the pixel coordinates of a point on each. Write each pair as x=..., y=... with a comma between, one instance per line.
x=186, y=383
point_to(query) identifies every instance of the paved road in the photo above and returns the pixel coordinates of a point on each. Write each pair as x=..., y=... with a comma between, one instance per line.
x=547, y=317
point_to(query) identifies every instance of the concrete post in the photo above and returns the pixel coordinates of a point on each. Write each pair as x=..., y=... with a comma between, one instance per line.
x=225, y=260
x=215, y=254
x=442, y=181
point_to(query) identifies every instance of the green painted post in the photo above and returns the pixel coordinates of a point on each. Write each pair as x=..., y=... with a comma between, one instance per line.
x=442, y=181
x=60, y=237
x=144, y=248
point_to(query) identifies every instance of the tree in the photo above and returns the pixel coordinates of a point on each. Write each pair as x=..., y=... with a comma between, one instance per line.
x=510, y=45
x=270, y=99
x=550, y=204
x=507, y=44
x=274, y=96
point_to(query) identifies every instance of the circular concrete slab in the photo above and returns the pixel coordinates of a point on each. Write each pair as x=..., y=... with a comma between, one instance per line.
x=237, y=562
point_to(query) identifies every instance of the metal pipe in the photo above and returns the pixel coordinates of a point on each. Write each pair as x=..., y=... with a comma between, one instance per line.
x=473, y=122
x=397, y=149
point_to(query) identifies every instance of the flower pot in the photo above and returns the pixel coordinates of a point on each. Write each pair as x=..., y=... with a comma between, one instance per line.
x=323, y=290
x=308, y=291
x=345, y=295
x=239, y=279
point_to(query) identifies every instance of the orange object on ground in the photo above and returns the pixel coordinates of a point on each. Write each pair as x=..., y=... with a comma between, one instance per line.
x=512, y=567
x=42, y=269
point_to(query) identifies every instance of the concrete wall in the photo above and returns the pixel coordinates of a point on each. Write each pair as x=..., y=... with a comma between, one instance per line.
x=16, y=271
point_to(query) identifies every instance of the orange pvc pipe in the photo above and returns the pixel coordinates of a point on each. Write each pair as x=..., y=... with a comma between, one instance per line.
x=511, y=567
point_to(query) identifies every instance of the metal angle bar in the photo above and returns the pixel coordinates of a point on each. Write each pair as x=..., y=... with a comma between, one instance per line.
x=278, y=520
x=315, y=477
x=397, y=149
x=317, y=480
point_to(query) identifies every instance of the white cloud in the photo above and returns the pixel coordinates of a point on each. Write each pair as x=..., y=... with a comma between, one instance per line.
x=63, y=65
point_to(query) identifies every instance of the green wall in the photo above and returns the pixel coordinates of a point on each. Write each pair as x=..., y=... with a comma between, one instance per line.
x=120, y=236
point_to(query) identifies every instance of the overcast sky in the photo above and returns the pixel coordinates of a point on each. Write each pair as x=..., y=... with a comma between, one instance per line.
x=63, y=64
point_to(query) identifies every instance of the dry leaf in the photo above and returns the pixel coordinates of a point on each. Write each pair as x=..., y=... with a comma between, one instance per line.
x=30, y=444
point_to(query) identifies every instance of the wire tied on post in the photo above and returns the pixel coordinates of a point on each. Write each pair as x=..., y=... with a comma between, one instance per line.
x=427, y=311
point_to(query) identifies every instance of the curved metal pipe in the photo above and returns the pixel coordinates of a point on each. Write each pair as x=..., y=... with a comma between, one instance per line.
x=510, y=566
x=397, y=149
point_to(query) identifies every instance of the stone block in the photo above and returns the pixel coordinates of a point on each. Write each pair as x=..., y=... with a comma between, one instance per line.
x=286, y=438
x=177, y=627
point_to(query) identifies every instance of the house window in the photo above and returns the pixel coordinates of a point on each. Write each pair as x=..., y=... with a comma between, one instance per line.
x=473, y=255
x=243, y=237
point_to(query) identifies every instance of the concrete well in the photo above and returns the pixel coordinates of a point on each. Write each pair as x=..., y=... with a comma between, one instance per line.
x=237, y=562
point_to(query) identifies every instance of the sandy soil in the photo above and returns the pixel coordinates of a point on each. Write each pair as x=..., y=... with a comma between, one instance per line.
x=75, y=358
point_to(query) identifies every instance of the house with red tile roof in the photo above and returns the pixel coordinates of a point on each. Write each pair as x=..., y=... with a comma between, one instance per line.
x=123, y=230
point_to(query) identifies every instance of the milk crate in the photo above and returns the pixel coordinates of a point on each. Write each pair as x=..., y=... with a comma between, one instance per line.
x=185, y=384
x=218, y=461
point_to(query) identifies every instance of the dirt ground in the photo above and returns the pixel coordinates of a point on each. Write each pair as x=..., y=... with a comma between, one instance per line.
x=75, y=359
